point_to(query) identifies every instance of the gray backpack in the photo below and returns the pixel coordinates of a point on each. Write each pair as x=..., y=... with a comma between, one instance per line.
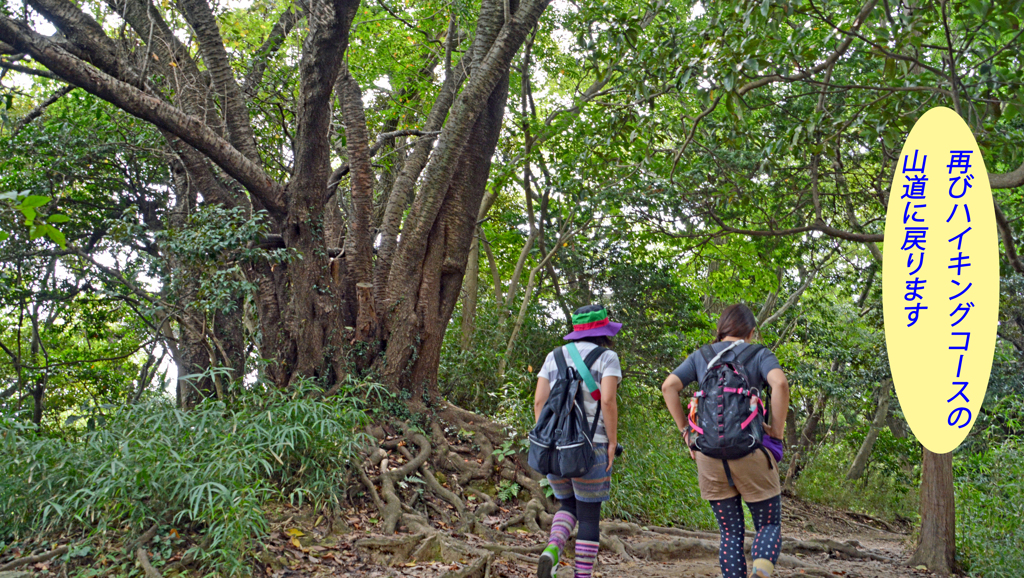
x=562, y=442
x=727, y=412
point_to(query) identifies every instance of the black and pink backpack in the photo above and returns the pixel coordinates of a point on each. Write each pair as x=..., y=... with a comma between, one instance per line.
x=727, y=412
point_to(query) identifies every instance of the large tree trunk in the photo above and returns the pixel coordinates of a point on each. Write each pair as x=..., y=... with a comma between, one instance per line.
x=861, y=461
x=383, y=301
x=441, y=272
x=936, y=547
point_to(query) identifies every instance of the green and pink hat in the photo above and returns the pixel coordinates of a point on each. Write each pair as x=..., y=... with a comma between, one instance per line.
x=592, y=321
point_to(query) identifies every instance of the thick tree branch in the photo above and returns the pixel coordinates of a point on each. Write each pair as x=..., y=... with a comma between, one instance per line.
x=200, y=17
x=173, y=59
x=329, y=25
x=466, y=109
x=402, y=191
x=358, y=241
x=1010, y=180
x=148, y=108
x=27, y=70
x=86, y=34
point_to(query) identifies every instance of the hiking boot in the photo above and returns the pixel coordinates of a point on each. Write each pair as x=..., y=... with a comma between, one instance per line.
x=548, y=565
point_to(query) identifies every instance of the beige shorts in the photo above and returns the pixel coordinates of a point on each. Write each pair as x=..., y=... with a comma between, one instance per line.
x=755, y=482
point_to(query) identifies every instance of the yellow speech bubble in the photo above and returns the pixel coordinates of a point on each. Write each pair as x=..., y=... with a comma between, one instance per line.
x=940, y=280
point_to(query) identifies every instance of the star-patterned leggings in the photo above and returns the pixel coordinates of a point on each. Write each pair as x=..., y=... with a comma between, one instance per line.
x=767, y=517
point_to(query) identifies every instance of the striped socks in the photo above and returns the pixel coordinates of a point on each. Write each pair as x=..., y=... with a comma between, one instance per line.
x=586, y=555
x=561, y=527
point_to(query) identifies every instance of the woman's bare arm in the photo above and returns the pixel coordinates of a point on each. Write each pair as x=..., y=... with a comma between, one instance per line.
x=540, y=396
x=780, y=402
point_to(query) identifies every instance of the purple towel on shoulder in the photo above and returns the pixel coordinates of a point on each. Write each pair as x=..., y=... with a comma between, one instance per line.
x=774, y=446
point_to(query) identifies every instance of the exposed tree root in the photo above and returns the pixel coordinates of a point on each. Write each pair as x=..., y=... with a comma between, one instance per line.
x=19, y=562
x=447, y=466
x=371, y=489
x=530, y=517
x=144, y=538
x=535, y=549
x=831, y=547
x=614, y=544
x=867, y=518
x=478, y=569
x=666, y=550
x=148, y=568
x=392, y=511
x=532, y=485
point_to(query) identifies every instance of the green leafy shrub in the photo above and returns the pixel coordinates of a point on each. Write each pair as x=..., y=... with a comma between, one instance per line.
x=209, y=470
x=989, y=510
x=879, y=493
x=654, y=481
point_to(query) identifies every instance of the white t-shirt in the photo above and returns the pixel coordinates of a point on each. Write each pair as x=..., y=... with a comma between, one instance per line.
x=604, y=366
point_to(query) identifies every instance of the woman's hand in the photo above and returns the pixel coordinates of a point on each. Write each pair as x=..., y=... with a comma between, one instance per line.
x=610, y=410
x=686, y=440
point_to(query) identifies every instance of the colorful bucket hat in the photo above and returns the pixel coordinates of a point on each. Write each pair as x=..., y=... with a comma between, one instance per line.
x=592, y=321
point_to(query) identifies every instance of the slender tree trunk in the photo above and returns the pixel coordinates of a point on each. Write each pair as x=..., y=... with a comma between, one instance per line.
x=807, y=437
x=861, y=461
x=791, y=435
x=513, y=285
x=936, y=547
x=810, y=430
x=38, y=393
x=495, y=274
x=473, y=274
x=472, y=284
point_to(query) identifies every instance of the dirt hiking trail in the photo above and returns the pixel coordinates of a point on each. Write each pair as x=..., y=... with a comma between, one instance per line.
x=817, y=541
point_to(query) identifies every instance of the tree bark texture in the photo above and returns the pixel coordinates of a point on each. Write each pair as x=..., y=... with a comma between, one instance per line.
x=936, y=547
x=382, y=301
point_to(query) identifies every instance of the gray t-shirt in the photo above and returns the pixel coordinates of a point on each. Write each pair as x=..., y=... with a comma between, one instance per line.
x=604, y=366
x=695, y=366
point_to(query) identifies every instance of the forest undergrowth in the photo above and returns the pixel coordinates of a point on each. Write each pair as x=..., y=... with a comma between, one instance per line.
x=207, y=491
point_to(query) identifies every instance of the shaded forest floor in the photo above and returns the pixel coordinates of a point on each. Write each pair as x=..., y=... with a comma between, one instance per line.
x=818, y=541
x=489, y=532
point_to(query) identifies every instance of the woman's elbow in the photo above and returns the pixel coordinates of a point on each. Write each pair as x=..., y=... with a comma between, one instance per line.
x=670, y=387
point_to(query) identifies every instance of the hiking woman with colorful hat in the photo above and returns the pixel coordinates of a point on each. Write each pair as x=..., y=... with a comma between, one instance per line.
x=581, y=497
x=736, y=448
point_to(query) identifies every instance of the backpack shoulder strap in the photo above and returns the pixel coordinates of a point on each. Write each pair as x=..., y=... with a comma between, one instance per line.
x=748, y=353
x=560, y=361
x=593, y=355
x=583, y=369
x=708, y=353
